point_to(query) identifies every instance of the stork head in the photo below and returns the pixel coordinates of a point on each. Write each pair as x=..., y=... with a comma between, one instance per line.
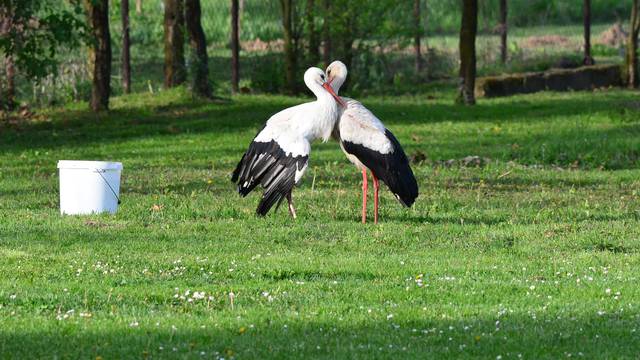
x=336, y=74
x=316, y=81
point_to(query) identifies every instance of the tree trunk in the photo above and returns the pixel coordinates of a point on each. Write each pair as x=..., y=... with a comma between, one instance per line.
x=503, y=31
x=9, y=94
x=417, y=35
x=198, y=44
x=235, y=47
x=588, y=60
x=174, y=65
x=326, y=34
x=631, y=63
x=99, y=53
x=139, y=7
x=289, y=53
x=126, y=63
x=468, y=30
x=314, y=38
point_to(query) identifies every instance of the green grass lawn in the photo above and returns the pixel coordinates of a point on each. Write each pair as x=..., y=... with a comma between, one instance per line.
x=536, y=254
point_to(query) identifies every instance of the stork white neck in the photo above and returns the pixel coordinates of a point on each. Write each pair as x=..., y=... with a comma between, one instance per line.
x=323, y=117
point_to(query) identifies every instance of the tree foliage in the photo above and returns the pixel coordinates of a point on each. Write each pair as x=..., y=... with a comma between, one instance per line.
x=31, y=32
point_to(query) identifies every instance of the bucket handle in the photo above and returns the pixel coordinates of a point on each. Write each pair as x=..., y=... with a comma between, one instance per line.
x=100, y=171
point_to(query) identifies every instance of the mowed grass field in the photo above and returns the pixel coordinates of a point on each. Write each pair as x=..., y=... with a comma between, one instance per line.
x=535, y=253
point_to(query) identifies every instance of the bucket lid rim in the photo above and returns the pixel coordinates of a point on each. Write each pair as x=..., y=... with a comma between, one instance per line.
x=89, y=164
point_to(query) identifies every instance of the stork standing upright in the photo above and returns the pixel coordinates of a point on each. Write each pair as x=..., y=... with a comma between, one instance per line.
x=370, y=146
x=278, y=156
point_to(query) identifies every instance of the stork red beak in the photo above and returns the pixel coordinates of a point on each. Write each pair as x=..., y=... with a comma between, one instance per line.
x=328, y=87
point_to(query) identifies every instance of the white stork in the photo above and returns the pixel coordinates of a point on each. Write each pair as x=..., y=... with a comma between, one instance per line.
x=370, y=146
x=277, y=157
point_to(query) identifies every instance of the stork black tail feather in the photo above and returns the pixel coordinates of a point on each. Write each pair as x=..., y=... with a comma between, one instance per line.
x=399, y=176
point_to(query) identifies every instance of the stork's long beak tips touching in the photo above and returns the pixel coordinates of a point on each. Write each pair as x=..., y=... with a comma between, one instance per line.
x=328, y=87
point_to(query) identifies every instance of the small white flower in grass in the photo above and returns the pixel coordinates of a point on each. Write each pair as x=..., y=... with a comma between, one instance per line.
x=601, y=312
x=532, y=287
x=134, y=324
x=12, y=296
x=390, y=316
x=498, y=357
x=608, y=291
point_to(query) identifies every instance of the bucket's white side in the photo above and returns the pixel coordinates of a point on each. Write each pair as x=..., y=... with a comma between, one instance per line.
x=84, y=191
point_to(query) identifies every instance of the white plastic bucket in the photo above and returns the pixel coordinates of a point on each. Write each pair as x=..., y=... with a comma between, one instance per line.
x=88, y=187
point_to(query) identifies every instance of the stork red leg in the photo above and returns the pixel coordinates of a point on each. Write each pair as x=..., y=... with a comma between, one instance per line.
x=364, y=196
x=292, y=210
x=376, y=186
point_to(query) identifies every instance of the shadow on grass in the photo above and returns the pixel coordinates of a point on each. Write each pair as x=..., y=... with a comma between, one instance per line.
x=172, y=114
x=607, y=336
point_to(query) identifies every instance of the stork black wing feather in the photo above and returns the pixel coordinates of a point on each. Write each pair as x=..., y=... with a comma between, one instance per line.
x=265, y=163
x=392, y=168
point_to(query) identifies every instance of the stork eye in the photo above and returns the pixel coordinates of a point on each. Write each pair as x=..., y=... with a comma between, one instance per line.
x=329, y=72
x=322, y=77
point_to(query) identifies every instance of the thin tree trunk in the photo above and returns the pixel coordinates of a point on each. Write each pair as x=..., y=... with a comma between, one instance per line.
x=174, y=65
x=235, y=47
x=588, y=60
x=503, y=31
x=326, y=34
x=139, y=7
x=468, y=30
x=10, y=90
x=289, y=53
x=99, y=53
x=417, y=35
x=198, y=43
x=314, y=38
x=631, y=63
x=126, y=63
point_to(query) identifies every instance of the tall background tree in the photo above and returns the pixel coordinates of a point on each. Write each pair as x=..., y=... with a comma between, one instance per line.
x=468, y=30
x=313, y=37
x=174, y=64
x=235, y=46
x=417, y=35
x=198, y=44
x=326, y=33
x=289, y=46
x=631, y=61
x=503, y=30
x=586, y=9
x=31, y=34
x=126, y=54
x=99, y=53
